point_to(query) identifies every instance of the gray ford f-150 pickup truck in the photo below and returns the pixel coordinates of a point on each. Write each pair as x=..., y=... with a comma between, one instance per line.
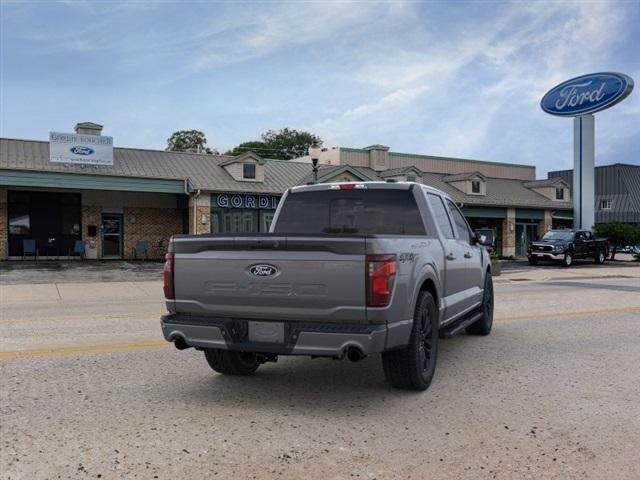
x=349, y=269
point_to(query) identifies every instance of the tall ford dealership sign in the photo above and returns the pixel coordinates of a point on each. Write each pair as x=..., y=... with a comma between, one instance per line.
x=80, y=149
x=580, y=97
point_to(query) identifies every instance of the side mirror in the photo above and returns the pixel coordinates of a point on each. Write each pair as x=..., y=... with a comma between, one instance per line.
x=481, y=239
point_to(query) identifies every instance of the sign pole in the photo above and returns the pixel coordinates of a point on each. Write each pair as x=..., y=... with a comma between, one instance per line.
x=583, y=172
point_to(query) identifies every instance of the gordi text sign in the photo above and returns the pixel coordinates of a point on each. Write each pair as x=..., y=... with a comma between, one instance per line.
x=238, y=200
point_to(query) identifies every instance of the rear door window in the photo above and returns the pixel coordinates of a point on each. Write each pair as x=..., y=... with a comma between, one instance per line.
x=441, y=215
x=464, y=232
x=356, y=212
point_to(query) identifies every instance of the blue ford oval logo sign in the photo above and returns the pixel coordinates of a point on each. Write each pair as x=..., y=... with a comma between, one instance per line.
x=263, y=270
x=587, y=94
x=79, y=150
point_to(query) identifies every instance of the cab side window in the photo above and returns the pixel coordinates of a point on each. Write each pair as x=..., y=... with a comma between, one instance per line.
x=441, y=216
x=588, y=236
x=462, y=227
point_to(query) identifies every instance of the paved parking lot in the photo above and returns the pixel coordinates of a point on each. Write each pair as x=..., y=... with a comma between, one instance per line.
x=90, y=390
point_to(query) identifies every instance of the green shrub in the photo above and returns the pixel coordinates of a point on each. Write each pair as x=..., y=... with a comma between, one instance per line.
x=618, y=234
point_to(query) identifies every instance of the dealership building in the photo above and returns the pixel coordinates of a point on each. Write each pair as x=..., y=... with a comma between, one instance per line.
x=616, y=189
x=78, y=187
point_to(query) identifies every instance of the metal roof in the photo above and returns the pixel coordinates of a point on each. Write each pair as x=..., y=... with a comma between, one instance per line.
x=547, y=182
x=203, y=171
x=326, y=172
x=463, y=176
x=500, y=191
x=392, y=172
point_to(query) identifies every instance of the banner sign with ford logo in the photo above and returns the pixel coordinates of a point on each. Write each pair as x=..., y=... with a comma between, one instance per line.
x=587, y=94
x=80, y=149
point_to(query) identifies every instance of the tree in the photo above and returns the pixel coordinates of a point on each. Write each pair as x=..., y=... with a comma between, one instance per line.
x=255, y=146
x=188, y=141
x=619, y=234
x=283, y=144
x=289, y=143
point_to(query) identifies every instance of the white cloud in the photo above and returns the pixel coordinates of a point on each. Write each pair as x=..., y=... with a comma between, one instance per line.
x=290, y=25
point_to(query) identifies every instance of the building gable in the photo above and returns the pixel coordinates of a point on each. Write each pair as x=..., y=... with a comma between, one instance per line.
x=247, y=167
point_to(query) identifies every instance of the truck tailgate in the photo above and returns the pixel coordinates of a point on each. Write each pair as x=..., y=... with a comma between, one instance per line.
x=272, y=277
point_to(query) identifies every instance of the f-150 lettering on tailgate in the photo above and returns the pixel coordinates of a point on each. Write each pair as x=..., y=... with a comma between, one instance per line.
x=266, y=289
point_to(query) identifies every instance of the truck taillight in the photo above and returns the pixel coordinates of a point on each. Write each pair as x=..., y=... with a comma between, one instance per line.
x=380, y=274
x=169, y=290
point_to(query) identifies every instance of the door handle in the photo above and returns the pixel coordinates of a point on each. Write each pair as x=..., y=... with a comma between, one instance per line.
x=451, y=256
x=467, y=255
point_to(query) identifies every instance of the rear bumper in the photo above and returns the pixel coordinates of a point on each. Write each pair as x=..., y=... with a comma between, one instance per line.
x=295, y=338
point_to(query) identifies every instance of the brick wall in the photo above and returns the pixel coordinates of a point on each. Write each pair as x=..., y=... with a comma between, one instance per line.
x=200, y=209
x=4, y=225
x=546, y=223
x=509, y=233
x=91, y=215
x=150, y=224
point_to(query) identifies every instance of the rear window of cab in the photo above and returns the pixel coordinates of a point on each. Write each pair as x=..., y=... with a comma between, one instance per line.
x=356, y=212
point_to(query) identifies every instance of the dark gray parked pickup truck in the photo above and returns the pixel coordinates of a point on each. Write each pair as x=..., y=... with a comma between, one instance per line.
x=347, y=270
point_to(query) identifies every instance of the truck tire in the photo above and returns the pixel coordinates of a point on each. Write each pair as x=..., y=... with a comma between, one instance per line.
x=567, y=261
x=412, y=367
x=231, y=363
x=483, y=326
x=600, y=257
x=533, y=261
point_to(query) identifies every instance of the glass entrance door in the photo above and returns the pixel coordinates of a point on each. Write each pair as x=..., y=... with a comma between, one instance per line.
x=525, y=233
x=266, y=217
x=111, y=235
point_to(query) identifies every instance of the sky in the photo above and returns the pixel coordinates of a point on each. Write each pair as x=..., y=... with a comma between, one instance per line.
x=459, y=79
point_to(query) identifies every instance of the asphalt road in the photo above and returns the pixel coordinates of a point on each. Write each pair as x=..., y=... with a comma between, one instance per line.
x=89, y=390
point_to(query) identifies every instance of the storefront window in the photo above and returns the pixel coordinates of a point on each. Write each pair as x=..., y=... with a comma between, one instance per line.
x=19, y=213
x=241, y=213
x=70, y=214
x=51, y=219
x=241, y=220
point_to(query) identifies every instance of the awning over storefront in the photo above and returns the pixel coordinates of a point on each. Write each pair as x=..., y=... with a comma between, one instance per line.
x=484, y=212
x=529, y=213
x=562, y=215
x=29, y=178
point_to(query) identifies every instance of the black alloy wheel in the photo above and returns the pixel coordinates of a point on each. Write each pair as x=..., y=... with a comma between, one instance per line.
x=485, y=323
x=413, y=367
x=427, y=345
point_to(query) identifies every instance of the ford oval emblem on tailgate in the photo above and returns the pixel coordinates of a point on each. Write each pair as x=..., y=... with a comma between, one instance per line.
x=263, y=270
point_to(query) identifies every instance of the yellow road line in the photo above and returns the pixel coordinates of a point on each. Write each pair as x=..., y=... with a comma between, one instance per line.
x=110, y=316
x=81, y=349
x=570, y=314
